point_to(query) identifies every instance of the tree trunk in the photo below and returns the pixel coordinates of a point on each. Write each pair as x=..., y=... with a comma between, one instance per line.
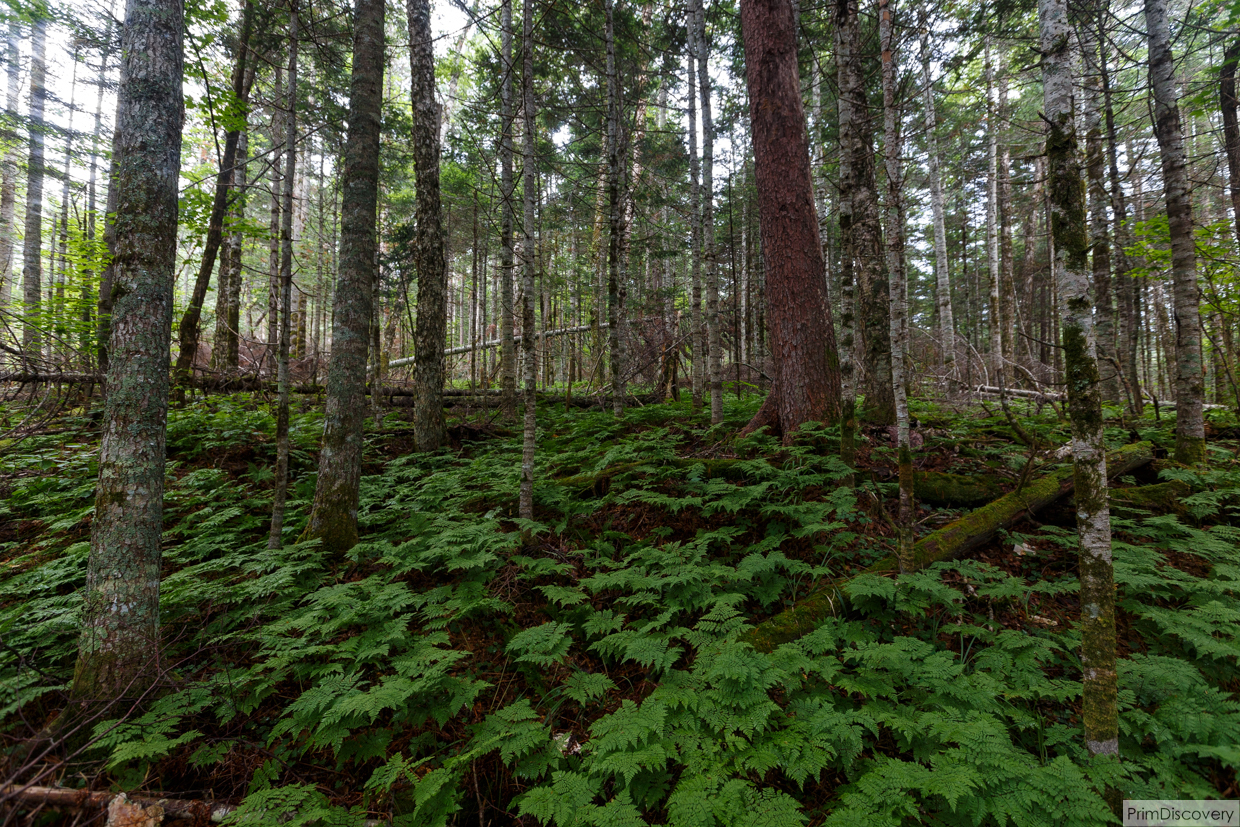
x=696, y=338
x=91, y=199
x=508, y=351
x=943, y=289
x=529, y=116
x=899, y=285
x=615, y=274
x=188, y=330
x=32, y=249
x=1190, y=439
x=334, y=514
x=846, y=104
x=1071, y=267
x=806, y=366
x=992, y=227
x=1100, y=239
x=118, y=649
x=273, y=226
x=430, y=432
x=714, y=342
x=8, y=186
x=275, y=538
x=1229, y=104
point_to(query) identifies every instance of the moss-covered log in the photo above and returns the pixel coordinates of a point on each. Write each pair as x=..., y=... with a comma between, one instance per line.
x=945, y=490
x=948, y=543
x=1161, y=498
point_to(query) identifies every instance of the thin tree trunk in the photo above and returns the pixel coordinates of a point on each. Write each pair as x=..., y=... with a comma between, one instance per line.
x=714, y=342
x=188, y=330
x=529, y=118
x=1071, y=266
x=32, y=250
x=943, y=289
x=273, y=226
x=615, y=274
x=275, y=538
x=429, y=429
x=1229, y=104
x=334, y=514
x=91, y=197
x=62, y=270
x=118, y=649
x=992, y=226
x=8, y=187
x=899, y=285
x=505, y=299
x=696, y=338
x=1190, y=439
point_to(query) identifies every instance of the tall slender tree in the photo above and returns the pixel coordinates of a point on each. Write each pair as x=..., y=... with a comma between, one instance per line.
x=1190, y=435
x=430, y=257
x=334, y=515
x=508, y=345
x=32, y=249
x=118, y=649
x=1072, y=273
x=8, y=186
x=529, y=186
x=942, y=283
x=714, y=339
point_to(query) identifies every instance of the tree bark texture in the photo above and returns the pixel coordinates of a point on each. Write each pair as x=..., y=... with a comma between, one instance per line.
x=807, y=379
x=430, y=433
x=714, y=341
x=1229, y=104
x=943, y=288
x=118, y=649
x=32, y=249
x=275, y=538
x=615, y=274
x=334, y=514
x=1190, y=436
x=8, y=186
x=697, y=337
x=1071, y=269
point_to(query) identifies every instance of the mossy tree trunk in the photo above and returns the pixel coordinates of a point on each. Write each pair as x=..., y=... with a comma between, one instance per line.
x=802, y=341
x=430, y=259
x=334, y=514
x=1190, y=435
x=1072, y=273
x=118, y=649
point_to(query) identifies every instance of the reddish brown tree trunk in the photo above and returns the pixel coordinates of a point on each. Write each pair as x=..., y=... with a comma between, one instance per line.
x=802, y=341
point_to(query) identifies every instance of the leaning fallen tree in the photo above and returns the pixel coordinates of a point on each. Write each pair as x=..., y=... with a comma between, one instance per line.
x=948, y=543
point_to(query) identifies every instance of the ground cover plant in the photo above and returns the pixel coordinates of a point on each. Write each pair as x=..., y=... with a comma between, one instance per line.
x=593, y=666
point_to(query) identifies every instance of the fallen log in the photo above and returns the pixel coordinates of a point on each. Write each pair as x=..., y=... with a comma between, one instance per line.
x=1161, y=497
x=948, y=543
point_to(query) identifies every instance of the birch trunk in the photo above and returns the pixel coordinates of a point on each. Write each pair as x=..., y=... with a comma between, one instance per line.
x=275, y=537
x=899, y=285
x=118, y=649
x=334, y=514
x=32, y=248
x=1190, y=441
x=1071, y=268
x=429, y=429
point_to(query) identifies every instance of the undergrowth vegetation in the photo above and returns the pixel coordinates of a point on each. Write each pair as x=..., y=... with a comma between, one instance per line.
x=586, y=668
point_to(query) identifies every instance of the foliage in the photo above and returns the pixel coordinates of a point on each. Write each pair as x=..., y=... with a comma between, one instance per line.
x=592, y=675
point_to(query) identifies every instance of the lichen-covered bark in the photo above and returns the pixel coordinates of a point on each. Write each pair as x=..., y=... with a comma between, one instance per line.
x=1190, y=435
x=529, y=117
x=802, y=341
x=1072, y=274
x=334, y=515
x=430, y=258
x=118, y=649
x=32, y=247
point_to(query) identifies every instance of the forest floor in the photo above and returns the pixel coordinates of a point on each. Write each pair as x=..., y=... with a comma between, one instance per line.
x=461, y=666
